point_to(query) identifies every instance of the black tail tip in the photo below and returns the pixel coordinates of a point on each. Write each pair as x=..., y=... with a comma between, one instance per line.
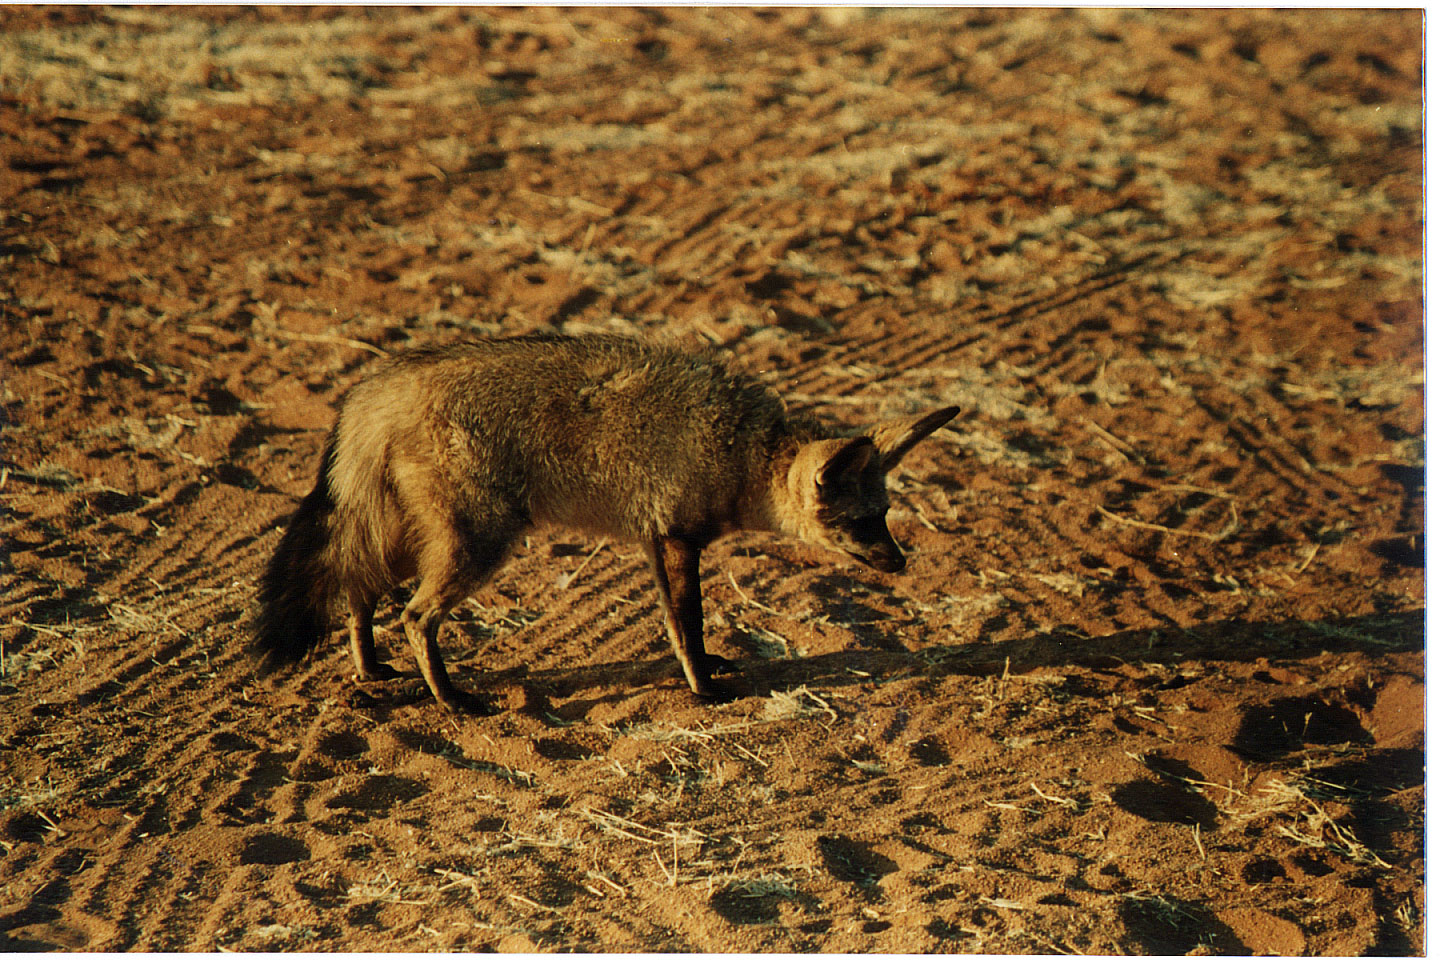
x=268, y=661
x=284, y=634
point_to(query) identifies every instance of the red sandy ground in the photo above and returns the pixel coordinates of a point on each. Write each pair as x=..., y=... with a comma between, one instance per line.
x=1152, y=681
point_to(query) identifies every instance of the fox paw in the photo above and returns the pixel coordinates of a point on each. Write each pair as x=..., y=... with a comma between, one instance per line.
x=464, y=702
x=381, y=671
x=710, y=692
x=713, y=663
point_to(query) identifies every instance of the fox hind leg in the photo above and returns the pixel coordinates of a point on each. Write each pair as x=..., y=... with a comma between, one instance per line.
x=451, y=569
x=362, y=638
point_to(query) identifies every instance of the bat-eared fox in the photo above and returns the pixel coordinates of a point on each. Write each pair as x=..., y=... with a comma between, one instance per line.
x=445, y=456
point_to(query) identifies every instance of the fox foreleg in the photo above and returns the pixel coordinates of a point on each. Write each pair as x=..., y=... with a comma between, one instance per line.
x=676, y=562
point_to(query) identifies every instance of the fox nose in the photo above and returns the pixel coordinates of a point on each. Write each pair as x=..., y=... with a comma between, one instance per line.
x=877, y=548
x=885, y=557
x=886, y=561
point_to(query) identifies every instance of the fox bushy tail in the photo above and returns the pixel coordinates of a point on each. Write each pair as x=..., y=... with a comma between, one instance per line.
x=297, y=586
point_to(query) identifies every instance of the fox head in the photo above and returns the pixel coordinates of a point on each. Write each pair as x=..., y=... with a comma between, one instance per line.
x=835, y=489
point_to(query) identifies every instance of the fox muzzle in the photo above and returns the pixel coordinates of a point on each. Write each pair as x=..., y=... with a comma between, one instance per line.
x=886, y=559
x=870, y=542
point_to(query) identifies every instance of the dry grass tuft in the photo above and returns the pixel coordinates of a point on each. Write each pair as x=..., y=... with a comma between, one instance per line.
x=1311, y=825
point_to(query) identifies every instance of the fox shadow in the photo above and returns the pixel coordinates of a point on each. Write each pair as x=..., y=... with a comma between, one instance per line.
x=1224, y=640
x=878, y=662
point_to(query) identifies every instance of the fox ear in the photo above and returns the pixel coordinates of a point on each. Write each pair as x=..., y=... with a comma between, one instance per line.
x=851, y=457
x=894, y=438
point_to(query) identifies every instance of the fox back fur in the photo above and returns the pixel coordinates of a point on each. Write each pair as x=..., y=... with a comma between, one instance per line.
x=445, y=456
